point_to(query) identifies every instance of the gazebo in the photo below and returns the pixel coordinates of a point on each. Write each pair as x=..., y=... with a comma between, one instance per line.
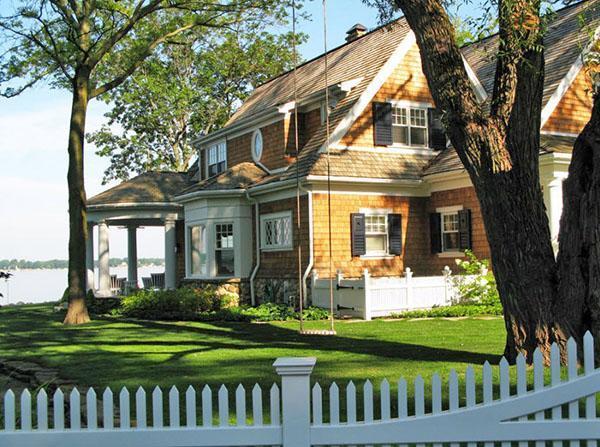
x=146, y=200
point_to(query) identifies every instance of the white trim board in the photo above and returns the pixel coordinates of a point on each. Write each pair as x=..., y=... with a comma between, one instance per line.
x=567, y=81
x=367, y=95
x=560, y=91
x=480, y=92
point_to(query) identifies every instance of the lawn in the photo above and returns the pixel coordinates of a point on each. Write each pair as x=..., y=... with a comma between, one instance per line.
x=115, y=352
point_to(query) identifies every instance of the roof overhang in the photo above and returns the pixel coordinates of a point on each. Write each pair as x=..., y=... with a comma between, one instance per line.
x=278, y=111
x=566, y=82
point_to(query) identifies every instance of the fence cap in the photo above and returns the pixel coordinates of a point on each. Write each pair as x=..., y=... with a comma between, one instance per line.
x=294, y=366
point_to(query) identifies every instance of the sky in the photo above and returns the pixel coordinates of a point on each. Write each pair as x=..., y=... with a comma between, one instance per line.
x=33, y=155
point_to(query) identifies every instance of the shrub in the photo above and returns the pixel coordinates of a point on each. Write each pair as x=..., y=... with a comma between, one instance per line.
x=180, y=304
x=475, y=284
x=263, y=313
x=457, y=310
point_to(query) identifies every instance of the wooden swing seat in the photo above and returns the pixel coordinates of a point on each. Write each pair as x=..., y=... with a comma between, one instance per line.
x=317, y=332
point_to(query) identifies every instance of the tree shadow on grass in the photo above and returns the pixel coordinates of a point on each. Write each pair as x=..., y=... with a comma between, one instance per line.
x=127, y=352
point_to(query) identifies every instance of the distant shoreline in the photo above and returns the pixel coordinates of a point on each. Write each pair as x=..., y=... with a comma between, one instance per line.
x=61, y=264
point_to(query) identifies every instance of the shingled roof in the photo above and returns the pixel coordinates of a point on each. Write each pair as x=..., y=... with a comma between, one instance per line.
x=563, y=43
x=146, y=188
x=448, y=161
x=239, y=176
x=360, y=57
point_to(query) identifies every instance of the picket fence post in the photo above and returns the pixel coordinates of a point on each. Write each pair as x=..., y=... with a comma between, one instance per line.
x=367, y=282
x=295, y=397
x=447, y=292
x=408, y=274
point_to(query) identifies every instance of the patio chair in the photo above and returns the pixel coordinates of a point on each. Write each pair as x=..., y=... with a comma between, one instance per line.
x=147, y=282
x=158, y=280
x=116, y=285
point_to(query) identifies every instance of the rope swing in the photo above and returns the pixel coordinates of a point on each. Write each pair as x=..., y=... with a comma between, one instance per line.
x=331, y=330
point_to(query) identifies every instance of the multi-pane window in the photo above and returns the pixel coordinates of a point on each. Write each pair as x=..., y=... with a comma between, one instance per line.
x=450, y=233
x=216, y=160
x=276, y=231
x=376, y=235
x=409, y=126
x=197, y=243
x=224, y=257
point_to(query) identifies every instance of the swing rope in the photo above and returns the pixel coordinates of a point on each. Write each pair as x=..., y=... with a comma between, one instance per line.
x=331, y=330
x=297, y=147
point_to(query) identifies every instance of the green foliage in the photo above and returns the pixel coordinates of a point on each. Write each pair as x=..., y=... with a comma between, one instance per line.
x=206, y=304
x=475, y=282
x=185, y=90
x=184, y=303
x=477, y=293
x=457, y=310
x=264, y=313
x=6, y=276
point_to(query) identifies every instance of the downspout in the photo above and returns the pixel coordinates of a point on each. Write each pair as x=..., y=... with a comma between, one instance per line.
x=310, y=241
x=257, y=266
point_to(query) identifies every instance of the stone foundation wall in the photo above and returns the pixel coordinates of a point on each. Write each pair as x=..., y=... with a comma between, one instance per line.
x=232, y=285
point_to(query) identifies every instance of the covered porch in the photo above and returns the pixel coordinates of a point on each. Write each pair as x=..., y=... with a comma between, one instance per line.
x=144, y=201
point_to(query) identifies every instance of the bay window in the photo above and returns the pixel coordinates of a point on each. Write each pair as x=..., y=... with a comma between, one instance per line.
x=224, y=255
x=197, y=244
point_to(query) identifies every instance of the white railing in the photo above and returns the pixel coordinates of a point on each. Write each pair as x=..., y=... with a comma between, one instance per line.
x=368, y=297
x=550, y=411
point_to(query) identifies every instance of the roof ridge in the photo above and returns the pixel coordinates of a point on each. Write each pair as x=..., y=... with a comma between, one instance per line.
x=481, y=40
x=313, y=59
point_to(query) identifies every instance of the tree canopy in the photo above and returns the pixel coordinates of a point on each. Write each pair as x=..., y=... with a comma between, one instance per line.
x=184, y=90
x=91, y=47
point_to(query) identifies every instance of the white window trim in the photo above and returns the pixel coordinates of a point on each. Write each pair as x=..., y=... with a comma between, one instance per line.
x=254, y=157
x=449, y=212
x=214, y=144
x=449, y=209
x=215, y=248
x=274, y=216
x=378, y=212
x=408, y=105
x=188, y=257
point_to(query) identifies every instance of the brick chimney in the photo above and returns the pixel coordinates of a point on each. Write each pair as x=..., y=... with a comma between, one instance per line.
x=355, y=32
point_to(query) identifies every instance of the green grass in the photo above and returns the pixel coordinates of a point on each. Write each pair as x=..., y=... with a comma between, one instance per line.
x=116, y=352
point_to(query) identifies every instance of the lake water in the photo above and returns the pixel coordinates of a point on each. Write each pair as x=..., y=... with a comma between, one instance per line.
x=38, y=286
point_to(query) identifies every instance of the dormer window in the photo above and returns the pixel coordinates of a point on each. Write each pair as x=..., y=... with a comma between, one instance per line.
x=409, y=126
x=257, y=145
x=216, y=159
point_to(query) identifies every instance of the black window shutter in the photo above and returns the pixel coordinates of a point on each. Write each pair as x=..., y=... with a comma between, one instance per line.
x=437, y=135
x=382, y=123
x=464, y=229
x=435, y=232
x=359, y=247
x=395, y=233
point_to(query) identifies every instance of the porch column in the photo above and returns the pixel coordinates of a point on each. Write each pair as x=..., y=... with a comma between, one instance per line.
x=89, y=258
x=554, y=202
x=103, y=260
x=170, y=255
x=132, y=276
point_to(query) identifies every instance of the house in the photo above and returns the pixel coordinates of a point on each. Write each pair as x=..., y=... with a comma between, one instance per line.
x=399, y=194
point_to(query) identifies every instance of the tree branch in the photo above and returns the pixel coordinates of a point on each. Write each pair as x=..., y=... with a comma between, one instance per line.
x=135, y=65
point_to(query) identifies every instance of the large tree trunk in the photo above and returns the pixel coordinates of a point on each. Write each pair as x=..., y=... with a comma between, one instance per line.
x=77, y=312
x=500, y=151
x=577, y=305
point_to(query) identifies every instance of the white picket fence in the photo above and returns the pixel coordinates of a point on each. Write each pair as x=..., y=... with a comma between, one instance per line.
x=368, y=297
x=548, y=412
